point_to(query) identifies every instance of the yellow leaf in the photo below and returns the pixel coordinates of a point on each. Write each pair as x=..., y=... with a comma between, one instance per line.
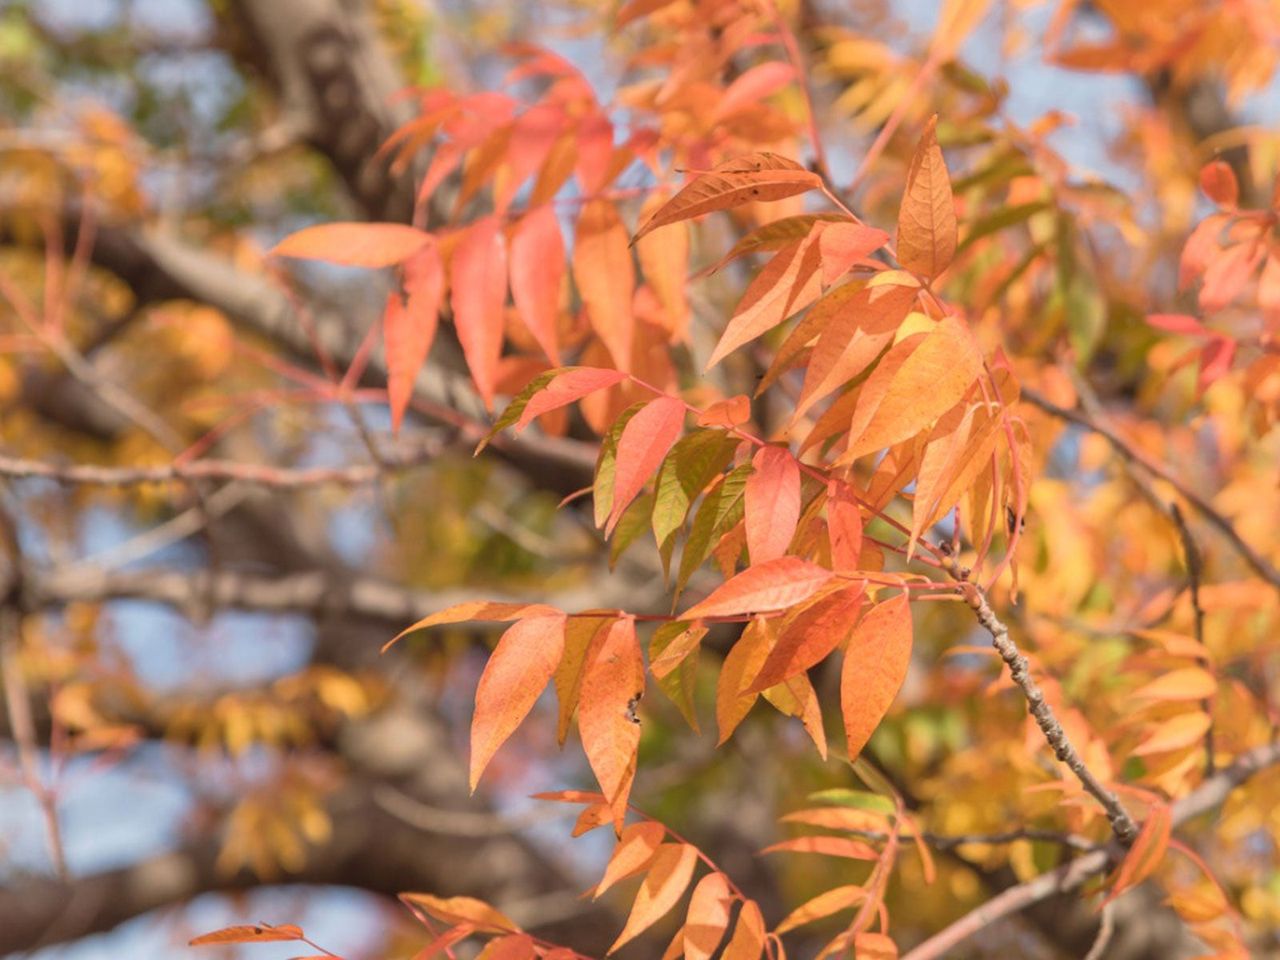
x=927, y=217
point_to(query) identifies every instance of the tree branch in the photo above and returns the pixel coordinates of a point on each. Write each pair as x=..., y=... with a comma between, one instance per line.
x=1210, y=794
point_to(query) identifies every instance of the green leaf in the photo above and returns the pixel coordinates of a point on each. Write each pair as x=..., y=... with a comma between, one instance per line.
x=858, y=799
x=720, y=509
x=673, y=661
x=692, y=464
x=635, y=520
x=607, y=465
x=516, y=407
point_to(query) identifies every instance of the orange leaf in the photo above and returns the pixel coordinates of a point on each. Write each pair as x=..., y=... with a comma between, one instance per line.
x=708, y=916
x=354, y=244
x=748, y=935
x=789, y=282
x=566, y=387
x=611, y=683
x=827, y=847
x=634, y=851
x=478, y=292
x=842, y=244
x=823, y=905
x=752, y=86
x=874, y=946
x=811, y=636
x=727, y=413
x=645, y=441
x=571, y=796
x=844, y=527
x=1218, y=181
x=1176, y=733
x=463, y=910
x=875, y=665
x=772, y=585
x=772, y=503
x=666, y=882
x=606, y=278
x=918, y=380
x=1146, y=853
x=537, y=270
x=410, y=328
x=579, y=636
x=742, y=663
x=927, y=218
x=955, y=23
x=477, y=610
x=515, y=676
x=1188, y=683
x=255, y=933
x=745, y=179
x=517, y=946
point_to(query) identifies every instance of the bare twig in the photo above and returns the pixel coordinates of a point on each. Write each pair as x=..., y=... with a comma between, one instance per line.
x=1133, y=455
x=1106, y=928
x=1210, y=794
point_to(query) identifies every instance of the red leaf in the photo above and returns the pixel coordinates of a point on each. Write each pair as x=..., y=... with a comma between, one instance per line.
x=752, y=86
x=1146, y=853
x=517, y=946
x=927, y=218
x=745, y=179
x=515, y=676
x=645, y=441
x=772, y=585
x=844, y=527
x=537, y=270
x=478, y=291
x=570, y=385
x=595, y=151
x=611, y=683
x=354, y=244
x=1218, y=181
x=875, y=665
x=842, y=244
x=606, y=277
x=255, y=933
x=810, y=636
x=477, y=610
x=666, y=882
x=409, y=329
x=1178, y=323
x=772, y=502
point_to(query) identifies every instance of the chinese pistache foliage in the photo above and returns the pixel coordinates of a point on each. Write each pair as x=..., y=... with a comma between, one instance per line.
x=883, y=464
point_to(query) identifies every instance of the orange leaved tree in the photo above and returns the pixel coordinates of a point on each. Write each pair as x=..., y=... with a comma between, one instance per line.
x=802, y=362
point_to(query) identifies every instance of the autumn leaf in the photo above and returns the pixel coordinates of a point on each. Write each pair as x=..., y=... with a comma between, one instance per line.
x=478, y=292
x=826, y=846
x=255, y=933
x=463, y=910
x=517, y=672
x=1187, y=683
x=744, y=179
x=822, y=906
x=1146, y=853
x=409, y=328
x=612, y=682
x=644, y=443
x=733, y=700
x=708, y=918
x=844, y=527
x=748, y=938
x=772, y=503
x=927, y=218
x=476, y=610
x=752, y=86
x=772, y=585
x=537, y=271
x=810, y=636
x=354, y=244
x=733, y=412
x=634, y=851
x=516, y=946
x=1218, y=181
x=1176, y=733
x=605, y=276
x=875, y=665
x=842, y=244
x=565, y=387
x=874, y=946
x=663, y=885
x=579, y=635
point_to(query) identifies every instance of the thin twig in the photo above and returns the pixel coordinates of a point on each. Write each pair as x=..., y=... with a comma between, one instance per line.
x=1194, y=568
x=1106, y=928
x=1210, y=794
x=1133, y=455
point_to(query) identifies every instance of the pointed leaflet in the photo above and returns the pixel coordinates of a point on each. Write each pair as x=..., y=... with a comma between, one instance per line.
x=612, y=681
x=602, y=487
x=694, y=462
x=795, y=697
x=517, y=672
x=874, y=946
x=665, y=883
x=456, y=910
x=752, y=86
x=410, y=328
x=478, y=292
x=537, y=270
x=960, y=446
x=665, y=260
x=673, y=661
x=918, y=380
x=788, y=283
x=1176, y=733
x=810, y=636
x=708, y=916
x=748, y=935
x=515, y=946
x=579, y=635
x=1218, y=181
x=842, y=244
x=844, y=527
x=644, y=442
x=746, y=179
x=566, y=387
x=741, y=664
x=733, y=412
x=720, y=510
x=354, y=244
x=249, y=933
x=1188, y=683
x=606, y=278
x=1146, y=853
x=772, y=502
x=875, y=665
x=827, y=847
x=823, y=905
x=927, y=218
x=772, y=585
x=633, y=852
x=477, y=610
